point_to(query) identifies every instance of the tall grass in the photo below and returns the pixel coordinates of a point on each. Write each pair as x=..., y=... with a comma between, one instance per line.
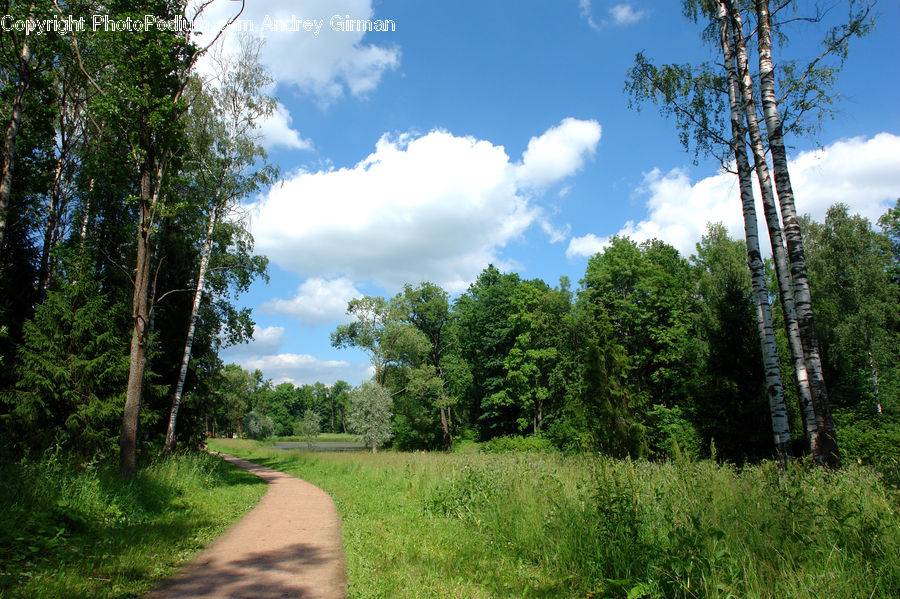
x=546, y=525
x=75, y=530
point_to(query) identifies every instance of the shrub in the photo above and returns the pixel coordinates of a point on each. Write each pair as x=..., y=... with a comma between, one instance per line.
x=514, y=443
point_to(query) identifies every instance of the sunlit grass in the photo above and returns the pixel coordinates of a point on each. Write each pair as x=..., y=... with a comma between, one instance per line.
x=547, y=525
x=78, y=531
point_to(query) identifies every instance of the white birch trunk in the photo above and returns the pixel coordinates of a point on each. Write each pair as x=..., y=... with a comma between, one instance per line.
x=793, y=237
x=781, y=431
x=189, y=342
x=773, y=222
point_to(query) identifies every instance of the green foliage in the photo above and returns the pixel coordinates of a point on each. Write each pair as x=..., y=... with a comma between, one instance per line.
x=672, y=433
x=378, y=328
x=369, y=415
x=77, y=530
x=72, y=370
x=486, y=335
x=730, y=403
x=258, y=426
x=857, y=309
x=871, y=439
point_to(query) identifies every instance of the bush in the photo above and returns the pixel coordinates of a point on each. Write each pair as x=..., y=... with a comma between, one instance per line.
x=514, y=443
x=871, y=440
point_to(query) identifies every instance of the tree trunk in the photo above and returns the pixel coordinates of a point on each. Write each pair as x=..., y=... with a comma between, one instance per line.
x=794, y=238
x=9, y=146
x=874, y=373
x=774, y=388
x=189, y=342
x=139, y=335
x=332, y=416
x=51, y=225
x=774, y=226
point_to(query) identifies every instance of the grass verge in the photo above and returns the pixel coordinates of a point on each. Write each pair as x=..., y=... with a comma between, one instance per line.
x=81, y=532
x=546, y=525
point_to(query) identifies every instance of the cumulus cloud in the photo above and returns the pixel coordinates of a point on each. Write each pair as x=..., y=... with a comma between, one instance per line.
x=267, y=340
x=321, y=62
x=304, y=369
x=559, y=152
x=863, y=173
x=317, y=301
x=436, y=207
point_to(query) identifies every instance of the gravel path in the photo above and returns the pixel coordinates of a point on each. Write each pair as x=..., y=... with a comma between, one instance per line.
x=289, y=545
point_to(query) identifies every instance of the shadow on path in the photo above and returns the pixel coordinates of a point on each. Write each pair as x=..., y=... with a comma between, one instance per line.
x=287, y=546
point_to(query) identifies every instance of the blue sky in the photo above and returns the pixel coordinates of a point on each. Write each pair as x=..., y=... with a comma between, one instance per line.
x=498, y=131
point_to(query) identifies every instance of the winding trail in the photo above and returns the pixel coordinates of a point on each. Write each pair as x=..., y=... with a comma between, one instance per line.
x=289, y=545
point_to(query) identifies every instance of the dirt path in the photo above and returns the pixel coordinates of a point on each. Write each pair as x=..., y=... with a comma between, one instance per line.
x=289, y=545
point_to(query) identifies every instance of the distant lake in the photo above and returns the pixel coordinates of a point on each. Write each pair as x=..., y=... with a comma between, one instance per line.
x=321, y=445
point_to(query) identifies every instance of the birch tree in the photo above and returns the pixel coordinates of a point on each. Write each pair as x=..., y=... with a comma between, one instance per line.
x=805, y=90
x=230, y=171
x=695, y=97
x=835, y=44
x=774, y=389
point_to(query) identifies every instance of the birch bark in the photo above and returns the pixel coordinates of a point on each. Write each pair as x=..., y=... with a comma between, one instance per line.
x=189, y=342
x=774, y=388
x=794, y=238
x=774, y=226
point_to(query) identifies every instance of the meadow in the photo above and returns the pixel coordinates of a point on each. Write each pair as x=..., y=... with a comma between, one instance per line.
x=479, y=525
x=78, y=531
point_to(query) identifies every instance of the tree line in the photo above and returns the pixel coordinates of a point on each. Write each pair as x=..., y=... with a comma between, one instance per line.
x=122, y=243
x=653, y=354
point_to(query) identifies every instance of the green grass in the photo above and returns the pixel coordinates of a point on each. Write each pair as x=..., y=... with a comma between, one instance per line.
x=81, y=532
x=547, y=525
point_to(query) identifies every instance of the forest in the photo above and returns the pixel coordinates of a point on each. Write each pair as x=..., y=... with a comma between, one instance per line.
x=126, y=169
x=124, y=247
x=653, y=355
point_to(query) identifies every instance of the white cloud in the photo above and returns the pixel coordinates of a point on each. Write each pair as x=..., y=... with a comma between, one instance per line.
x=625, y=14
x=862, y=173
x=322, y=62
x=265, y=340
x=559, y=152
x=619, y=15
x=587, y=13
x=301, y=369
x=276, y=131
x=317, y=301
x=437, y=207
x=555, y=234
x=586, y=245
